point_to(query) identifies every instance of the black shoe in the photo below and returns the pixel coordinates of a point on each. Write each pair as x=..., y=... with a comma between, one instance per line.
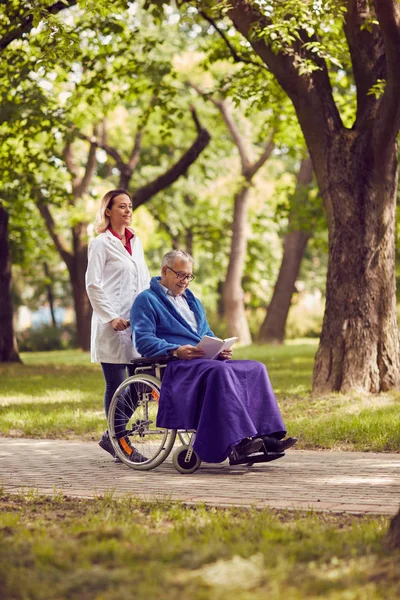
x=277, y=446
x=106, y=444
x=245, y=448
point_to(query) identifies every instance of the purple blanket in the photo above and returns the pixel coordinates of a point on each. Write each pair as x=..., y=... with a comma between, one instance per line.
x=224, y=401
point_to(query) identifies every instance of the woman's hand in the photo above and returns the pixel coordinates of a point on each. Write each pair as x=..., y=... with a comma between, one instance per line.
x=119, y=324
x=189, y=352
x=225, y=354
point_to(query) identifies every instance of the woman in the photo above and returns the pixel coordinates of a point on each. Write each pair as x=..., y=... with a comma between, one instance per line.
x=116, y=273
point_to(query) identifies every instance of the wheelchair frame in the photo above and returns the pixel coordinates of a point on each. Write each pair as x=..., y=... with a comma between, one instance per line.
x=141, y=439
x=136, y=439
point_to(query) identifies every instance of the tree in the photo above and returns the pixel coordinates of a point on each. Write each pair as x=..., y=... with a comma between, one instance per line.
x=16, y=21
x=8, y=346
x=294, y=245
x=74, y=254
x=356, y=167
x=232, y=292
x=65, y=173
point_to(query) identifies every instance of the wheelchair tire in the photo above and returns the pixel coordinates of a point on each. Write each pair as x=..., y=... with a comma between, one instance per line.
x=178, y=460
x=132, y=417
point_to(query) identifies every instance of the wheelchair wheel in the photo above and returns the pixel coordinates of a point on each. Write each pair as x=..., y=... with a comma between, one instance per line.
x=180, y=463
x=132, y=416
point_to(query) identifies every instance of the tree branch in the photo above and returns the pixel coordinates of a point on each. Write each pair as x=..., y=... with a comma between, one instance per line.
x=143, y=194
x=135, y=154
x=27, y=23
x=236, y=57
x=311, y=94
x=388, y=122
x=256, y=166
x=229, y=122
x=57, y=239
x=106, y=147
x=91, y=164
x=367, y=57
x=70, y=162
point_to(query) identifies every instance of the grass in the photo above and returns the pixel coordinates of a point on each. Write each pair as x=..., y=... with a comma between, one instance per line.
x=53, y=548
x=59, y=395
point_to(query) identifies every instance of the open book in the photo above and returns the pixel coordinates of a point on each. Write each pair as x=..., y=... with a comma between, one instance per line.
x=212, y=346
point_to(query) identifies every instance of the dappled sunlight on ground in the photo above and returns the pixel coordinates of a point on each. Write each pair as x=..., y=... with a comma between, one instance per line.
x=370, y=401
x=46, y=397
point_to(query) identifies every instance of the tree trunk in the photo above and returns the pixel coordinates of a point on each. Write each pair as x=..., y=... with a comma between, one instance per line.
x=359, y=345
x=273, y=328
x=357, y=174
x=50, y=295
x=83, y=309
x=83, y=313
x=233, y=294
x=8, y=344
x=189, y=241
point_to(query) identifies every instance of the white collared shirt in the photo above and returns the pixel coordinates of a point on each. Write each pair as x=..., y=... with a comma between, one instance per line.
x=182, y=307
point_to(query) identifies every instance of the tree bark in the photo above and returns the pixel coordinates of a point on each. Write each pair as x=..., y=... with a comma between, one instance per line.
x=273, y=327
x=8, y=344
x=359, y=345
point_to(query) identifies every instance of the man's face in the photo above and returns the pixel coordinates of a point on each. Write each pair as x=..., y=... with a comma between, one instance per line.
x=172, y=277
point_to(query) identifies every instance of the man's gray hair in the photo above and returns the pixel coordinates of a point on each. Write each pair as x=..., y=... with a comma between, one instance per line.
x=172, y=255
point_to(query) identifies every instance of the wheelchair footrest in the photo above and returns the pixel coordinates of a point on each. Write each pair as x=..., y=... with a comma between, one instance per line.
x=256, y=458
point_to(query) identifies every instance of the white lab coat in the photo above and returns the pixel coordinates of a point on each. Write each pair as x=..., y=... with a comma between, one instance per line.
x=113, y=280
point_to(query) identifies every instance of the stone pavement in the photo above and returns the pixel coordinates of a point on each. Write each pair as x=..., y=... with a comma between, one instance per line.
x=353, y=482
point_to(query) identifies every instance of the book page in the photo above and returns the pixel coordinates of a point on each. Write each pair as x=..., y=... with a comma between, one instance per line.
x=213, y=346
x=228, y=343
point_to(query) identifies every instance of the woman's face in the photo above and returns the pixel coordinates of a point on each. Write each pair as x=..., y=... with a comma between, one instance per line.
x=121, y=212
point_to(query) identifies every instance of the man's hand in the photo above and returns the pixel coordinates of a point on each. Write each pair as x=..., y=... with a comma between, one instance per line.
x=119, y=324
x=189, y=352
x=225, y=354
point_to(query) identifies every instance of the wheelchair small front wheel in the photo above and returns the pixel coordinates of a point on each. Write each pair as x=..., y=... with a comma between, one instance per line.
x=181, y=464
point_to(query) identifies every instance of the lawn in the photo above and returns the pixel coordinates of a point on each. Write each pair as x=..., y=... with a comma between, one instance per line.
x=102, y=549
x=59, y=395
x=53, y=548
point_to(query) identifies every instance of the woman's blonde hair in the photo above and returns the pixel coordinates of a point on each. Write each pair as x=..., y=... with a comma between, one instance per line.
x=102, y=221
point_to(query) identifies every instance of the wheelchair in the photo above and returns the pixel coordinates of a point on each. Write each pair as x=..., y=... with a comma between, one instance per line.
x=132, y=417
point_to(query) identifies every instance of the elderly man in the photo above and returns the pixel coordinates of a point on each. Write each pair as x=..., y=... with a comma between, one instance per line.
x=230, y=403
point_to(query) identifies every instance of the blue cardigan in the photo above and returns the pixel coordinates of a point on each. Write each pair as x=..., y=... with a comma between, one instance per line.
x=158, y=328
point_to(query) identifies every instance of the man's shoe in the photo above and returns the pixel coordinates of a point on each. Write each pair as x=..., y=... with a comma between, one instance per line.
x=106, y=444
x=245, y=448
x=277, y=446
x=249, y=446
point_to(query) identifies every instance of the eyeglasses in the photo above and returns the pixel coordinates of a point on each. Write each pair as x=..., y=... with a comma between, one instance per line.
x=182, y=276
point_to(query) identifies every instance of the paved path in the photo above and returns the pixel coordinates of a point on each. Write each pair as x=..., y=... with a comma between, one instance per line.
x=333, y=481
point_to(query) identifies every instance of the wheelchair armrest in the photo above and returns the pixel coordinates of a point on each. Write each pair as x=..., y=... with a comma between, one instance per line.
x=153, y=360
